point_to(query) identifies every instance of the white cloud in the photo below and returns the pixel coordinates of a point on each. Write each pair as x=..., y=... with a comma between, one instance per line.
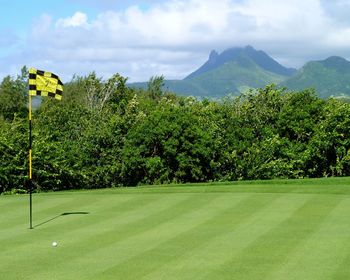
x=175, y=37
x=78, y=19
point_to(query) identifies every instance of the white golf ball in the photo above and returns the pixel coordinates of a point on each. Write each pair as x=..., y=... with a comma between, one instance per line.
x=54, y=244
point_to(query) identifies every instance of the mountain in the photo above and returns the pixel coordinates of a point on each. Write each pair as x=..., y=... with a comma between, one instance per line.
x=233, y=71
x=237, y=69
x=259, y=58
x=329, y=77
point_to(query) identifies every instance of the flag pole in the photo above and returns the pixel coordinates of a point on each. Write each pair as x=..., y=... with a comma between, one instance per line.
x=41, y=83
x=30, y=165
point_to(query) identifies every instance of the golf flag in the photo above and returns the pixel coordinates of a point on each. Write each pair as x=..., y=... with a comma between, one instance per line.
x=45, y=84
x=41, y=83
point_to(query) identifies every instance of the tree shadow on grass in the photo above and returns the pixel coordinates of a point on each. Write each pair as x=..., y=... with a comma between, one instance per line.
x=63, y=214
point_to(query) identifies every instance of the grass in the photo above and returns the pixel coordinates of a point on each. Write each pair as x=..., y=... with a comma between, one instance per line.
x=284, y=229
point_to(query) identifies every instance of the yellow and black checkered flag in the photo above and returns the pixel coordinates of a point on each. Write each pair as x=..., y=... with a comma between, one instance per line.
x=45, y=84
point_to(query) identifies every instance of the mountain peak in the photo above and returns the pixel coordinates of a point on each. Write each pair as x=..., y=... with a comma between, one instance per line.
x=335, y=58
x=336, y=62
x=213, y=55
x=249, y=48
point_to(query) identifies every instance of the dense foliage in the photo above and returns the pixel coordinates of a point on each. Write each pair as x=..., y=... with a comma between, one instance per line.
x=105, y=134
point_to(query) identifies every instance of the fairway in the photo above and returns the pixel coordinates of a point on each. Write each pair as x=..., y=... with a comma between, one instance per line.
x=296, y=229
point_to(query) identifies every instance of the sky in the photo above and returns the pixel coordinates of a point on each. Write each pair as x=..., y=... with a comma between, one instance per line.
x=142, y=38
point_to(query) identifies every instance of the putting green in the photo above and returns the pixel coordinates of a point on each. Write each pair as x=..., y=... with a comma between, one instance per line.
x=296, y=229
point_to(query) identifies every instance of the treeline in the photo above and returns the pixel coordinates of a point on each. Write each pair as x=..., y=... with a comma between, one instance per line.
x=104, y=134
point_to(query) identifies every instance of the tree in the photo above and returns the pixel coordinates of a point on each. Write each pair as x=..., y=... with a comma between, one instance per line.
x=13, y=96
x=155, y=87
x=329, y=149
x=13, y=154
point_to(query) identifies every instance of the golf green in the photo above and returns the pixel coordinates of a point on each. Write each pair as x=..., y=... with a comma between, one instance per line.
x=292, y=229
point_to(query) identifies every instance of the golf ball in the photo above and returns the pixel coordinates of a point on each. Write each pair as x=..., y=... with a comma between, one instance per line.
x=54, y=244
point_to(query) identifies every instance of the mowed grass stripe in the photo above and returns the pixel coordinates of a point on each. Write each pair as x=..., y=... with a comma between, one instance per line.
x=48, y=213
x=200, y=231
x=118, y=219
x=48, y=205
x=99, y=232
x=129, y=221
x=270, y=250
x=17, y=209
x=343, y=265
x=244, y=228
x=134, y=222
x=9, y=203
x=164, y=228
x=77, y=230
x=326, y=253
x=42, y=205
x=105, y=209
x=326, y=186
x=108, y=211
x=69, y=222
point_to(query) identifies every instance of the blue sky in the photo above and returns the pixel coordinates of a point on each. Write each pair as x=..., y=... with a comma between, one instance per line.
x=20, y=14
x=142, y=38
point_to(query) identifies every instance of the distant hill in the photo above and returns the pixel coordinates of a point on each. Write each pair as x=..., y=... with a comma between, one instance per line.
x=237, y=69
x=233, y=71
x=329, y=77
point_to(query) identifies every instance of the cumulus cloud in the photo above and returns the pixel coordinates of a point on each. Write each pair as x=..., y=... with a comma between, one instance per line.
x=78, y=19
x=174, y=37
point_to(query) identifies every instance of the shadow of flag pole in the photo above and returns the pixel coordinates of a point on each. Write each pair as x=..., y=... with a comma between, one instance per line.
x=41, y=83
